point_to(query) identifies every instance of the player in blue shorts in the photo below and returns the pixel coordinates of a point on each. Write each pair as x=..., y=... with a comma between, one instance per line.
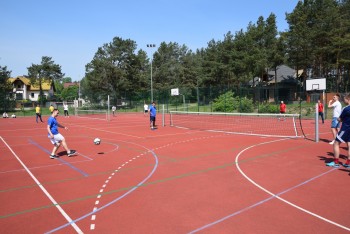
x=343, y=135
x=152, y=114
x=55, y=137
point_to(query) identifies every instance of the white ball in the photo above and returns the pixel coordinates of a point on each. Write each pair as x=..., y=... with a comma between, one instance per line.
x=97, y=141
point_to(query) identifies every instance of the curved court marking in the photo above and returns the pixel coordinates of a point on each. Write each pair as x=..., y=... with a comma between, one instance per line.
x=115, y=200
x=65, y=215
x=272, y=194
x=277, y=195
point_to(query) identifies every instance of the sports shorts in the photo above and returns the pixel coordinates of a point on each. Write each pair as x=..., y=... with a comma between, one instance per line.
x=343, y=136
x=56, y=138
x=335, y=123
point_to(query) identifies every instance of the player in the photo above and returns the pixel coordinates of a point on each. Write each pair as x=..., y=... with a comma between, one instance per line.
x=65, y=109
x=343, y=135
x=320, y=110
x=113, y=110
x=336, y=105
x=145, y=108
x=152, y=114
x=38, y=113
x=283, y=109
x=55, y=137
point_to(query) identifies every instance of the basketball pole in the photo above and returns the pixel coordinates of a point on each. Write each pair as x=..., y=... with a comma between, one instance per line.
x=316, y=124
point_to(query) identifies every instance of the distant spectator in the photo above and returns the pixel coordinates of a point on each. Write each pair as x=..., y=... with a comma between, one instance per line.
x=5, y=115
x=283, y=109
x=65, y=109
x=38, y=113
x=113, y=110
x=320, y=110
x=13, y=116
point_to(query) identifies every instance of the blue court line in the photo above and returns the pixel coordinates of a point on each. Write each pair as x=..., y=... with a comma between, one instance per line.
x=112, y=202
x=61, y=160
x=259, y=203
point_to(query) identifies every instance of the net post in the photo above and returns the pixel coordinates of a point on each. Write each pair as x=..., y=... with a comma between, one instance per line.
x=316, y=124
x=163, y=116
x=108, y=116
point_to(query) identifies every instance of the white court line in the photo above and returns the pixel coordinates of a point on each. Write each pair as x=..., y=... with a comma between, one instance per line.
x=276, y=195
x=65, y=215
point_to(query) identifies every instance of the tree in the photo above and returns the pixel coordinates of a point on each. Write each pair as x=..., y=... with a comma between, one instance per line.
x=5, y=89
x=47, y=71
x=70, y=93
x=116, y=69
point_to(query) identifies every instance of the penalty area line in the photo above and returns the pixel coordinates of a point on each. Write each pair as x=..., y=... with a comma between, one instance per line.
x=65, y=215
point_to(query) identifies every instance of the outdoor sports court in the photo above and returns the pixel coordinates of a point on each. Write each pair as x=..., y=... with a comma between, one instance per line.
x=170, y=180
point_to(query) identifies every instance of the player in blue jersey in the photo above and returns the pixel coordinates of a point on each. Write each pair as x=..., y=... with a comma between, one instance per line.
x=343, y=135
x=152, y=115
x=55, y=137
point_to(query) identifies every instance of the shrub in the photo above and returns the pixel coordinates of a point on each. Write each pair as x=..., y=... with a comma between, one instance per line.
x=268, y=108
x=228, y=103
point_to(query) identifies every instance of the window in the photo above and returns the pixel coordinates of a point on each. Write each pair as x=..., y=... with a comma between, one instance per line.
x=32, y=95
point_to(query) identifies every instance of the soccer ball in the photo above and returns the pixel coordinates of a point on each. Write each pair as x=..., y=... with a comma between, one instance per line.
x=97, y=141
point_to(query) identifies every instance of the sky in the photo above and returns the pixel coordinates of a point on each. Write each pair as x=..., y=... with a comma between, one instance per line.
x=71, y=31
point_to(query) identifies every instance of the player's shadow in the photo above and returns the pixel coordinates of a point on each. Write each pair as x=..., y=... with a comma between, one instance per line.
x=64, y=153
x=331, y=158
x=325, y=140
x=327, y=159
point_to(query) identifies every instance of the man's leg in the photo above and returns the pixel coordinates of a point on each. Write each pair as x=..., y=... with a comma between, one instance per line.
x=335, y=162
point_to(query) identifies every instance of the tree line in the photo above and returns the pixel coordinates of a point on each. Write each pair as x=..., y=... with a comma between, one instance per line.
x=317, y=42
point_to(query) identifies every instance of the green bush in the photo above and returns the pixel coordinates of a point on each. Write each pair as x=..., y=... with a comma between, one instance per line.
x=224, y=103
x=227, y=102
x=268, y=108
x=245, y=105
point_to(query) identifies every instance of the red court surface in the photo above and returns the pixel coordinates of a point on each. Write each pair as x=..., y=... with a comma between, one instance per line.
x=169, y=180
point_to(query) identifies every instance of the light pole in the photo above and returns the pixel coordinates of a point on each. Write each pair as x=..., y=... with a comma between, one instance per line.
x=151, y=46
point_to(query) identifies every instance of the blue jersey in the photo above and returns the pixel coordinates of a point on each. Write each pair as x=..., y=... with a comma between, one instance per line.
x=52, y=122
x=153, y=110
x=345, y=118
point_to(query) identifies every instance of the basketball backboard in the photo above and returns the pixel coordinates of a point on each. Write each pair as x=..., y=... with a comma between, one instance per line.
x=316, y=84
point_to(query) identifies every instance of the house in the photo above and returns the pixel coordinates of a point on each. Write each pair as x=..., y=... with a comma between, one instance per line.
x=24, y=90
x=69, y=84
x=283, y=84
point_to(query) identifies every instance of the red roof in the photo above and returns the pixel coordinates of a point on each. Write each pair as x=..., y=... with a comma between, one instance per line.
x=68, y=84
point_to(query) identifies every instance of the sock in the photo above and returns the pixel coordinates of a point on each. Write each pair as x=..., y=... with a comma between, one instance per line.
x=347, y=162
x=336, y=161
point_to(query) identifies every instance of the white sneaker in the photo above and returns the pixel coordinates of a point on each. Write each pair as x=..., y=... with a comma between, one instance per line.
x=331, y=143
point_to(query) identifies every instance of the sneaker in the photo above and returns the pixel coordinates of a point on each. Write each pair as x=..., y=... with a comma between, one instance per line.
x=346, y=165
x=52, y=156
x=333, y=164
x=71, y=153
x=331, y=143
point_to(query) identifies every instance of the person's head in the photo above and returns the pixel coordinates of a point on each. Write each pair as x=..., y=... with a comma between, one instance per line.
x=153, y=103
x=336, y=97
x=55, y=112
x=347, y=98
x=281, y=102
x=319, y=101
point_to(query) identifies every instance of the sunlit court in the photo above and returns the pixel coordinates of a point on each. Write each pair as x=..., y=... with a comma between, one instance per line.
x=182, y=177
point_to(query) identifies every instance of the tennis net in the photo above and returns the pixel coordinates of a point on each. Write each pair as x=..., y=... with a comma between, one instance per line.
x=269, y=125
x=92, y=114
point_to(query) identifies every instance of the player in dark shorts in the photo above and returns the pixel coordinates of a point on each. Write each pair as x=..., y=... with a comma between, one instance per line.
x=343, y=135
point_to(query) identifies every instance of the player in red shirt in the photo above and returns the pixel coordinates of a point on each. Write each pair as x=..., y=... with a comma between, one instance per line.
x=283, y=109
x=320, y=110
